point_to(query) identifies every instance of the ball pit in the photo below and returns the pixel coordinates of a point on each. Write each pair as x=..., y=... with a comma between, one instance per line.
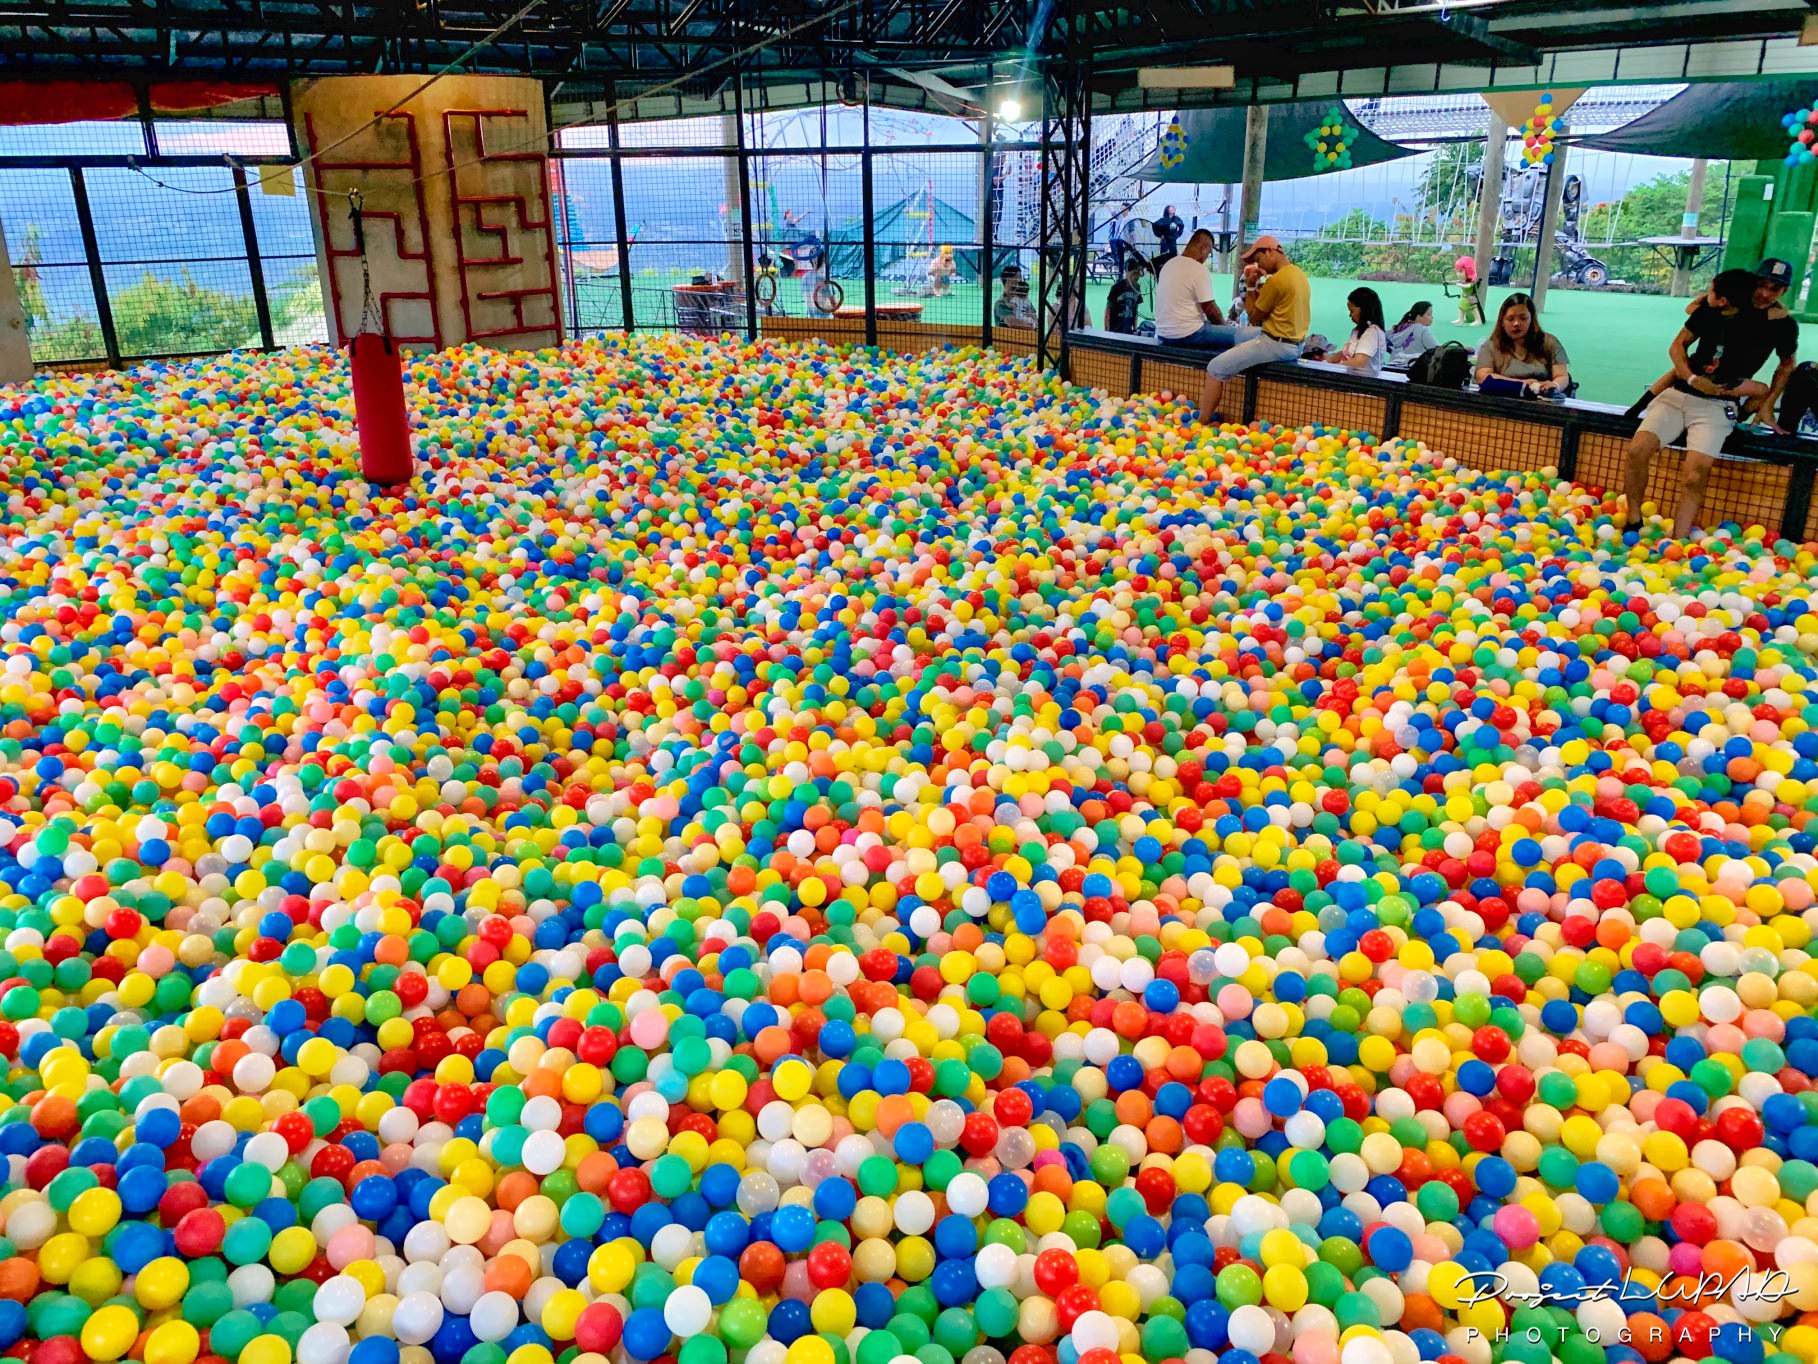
x=773, y=856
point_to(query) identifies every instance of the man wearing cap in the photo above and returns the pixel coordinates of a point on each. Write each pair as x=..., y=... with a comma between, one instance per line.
x=1714, y=356
x=1278, y=301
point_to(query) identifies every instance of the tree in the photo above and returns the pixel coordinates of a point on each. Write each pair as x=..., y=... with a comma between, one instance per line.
x=1653, y=208
x=30, y=283
x=1338, y=251
x=1448, y=191
x=157, y=315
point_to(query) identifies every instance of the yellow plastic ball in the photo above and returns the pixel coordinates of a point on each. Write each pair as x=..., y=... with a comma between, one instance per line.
x=833, y=1311
x=162, y=1283
x=175, y=1342
x=110, y=1333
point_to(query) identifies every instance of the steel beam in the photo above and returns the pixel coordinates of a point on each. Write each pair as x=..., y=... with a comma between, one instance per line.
x=1066, y=179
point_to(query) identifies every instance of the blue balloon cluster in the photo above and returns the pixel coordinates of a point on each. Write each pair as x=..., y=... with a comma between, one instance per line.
x=1802, y=127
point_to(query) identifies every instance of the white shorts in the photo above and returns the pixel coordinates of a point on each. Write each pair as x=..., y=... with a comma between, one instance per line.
x=1704, y=422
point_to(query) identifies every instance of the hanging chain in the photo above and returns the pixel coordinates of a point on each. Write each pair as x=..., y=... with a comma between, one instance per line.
x=370, y=318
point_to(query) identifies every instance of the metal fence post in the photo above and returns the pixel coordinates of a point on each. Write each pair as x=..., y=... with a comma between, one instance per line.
x=987, y=263
x=745, y=241
x=254, y=265
x=1045, y=228
x=870, y=226
x=618, y=209
x=97, y=277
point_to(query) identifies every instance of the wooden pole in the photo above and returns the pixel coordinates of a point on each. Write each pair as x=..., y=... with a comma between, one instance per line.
x=1688, y=227
x=1549, y=221
x=1256, y=148
x=1489, y=199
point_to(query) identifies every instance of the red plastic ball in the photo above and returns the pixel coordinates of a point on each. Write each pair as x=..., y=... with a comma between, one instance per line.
x=598, y=1328
x=1055, y=1272
x=829, y=1265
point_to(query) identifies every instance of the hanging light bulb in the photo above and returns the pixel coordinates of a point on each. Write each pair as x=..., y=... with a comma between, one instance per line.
x=1010, y=109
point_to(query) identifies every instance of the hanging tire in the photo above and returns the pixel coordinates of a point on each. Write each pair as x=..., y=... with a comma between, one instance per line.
x=766, y=288
x=828, y=296
x=1594, y=274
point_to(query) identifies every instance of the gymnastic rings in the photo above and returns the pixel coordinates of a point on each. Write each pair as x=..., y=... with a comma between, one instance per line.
x=827, y=296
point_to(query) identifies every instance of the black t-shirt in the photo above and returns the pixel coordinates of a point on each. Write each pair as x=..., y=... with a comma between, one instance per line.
x=1120, y=307
x=1729, y=349
x=1168, y=228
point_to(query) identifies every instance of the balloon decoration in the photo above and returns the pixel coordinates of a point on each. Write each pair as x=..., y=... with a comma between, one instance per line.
x=1538, y=132
x=1331, y=141
x=1173, y=145
x=1802, y=127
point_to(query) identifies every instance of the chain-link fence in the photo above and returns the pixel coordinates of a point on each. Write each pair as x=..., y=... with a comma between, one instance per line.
x=833, y=211
x=135, y=240
x=124, y=248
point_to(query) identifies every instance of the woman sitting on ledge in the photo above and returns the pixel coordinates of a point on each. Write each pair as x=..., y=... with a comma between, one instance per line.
x=1519, y=350
x=1367, y=344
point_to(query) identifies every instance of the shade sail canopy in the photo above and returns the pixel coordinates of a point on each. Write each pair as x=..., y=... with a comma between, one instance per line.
x=1738, y=121
x=1213, y=146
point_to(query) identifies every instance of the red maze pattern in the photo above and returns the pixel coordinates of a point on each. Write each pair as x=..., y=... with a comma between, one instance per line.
x=506, y=229
x=374, y=175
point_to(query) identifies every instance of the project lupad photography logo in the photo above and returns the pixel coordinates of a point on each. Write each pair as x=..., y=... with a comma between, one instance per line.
x=1746, y=1288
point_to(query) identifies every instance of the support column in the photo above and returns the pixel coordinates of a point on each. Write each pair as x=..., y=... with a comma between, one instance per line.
x=1688, y=227
x=1549, y=220
x=986, y=219
x=868, y=213
x=1489, y=197
x=1256, y=149
x=15, y=341
x=735, y=198
x=1066, y=188
x=745, y=243
x=456, y=209
x=627, y=308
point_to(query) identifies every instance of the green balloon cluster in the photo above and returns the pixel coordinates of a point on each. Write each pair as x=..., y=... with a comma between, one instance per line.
x=1332, y=141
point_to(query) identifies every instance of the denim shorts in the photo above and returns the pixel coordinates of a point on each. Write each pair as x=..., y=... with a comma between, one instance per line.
x=1258, y=348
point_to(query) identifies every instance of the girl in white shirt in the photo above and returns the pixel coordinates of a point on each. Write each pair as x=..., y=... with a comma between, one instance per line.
x=1368, y=342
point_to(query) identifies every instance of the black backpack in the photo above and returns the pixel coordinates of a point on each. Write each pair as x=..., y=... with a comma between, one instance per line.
x=1800, y=399
x=1447, y=365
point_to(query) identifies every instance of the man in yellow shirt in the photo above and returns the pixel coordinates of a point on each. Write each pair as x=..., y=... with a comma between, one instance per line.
x=1279, y=307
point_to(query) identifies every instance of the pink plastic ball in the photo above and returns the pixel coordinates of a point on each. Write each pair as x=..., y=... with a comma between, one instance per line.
x=1518, y=1226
